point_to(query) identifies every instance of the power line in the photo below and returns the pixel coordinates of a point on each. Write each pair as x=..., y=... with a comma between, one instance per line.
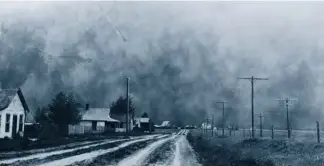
x=114, y=26
x=287, y=100
x=252, y=79
x=223, y=119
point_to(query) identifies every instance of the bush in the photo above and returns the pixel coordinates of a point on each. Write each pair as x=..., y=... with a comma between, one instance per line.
x=24, y=143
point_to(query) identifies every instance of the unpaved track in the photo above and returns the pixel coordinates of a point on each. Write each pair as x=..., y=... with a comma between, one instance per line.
x=151, y=150
x=40, y=158
x=141, y=156
x=12, y=154
x=172, y=151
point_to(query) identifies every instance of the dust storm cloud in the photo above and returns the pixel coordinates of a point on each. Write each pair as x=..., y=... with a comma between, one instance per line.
x=181, y=56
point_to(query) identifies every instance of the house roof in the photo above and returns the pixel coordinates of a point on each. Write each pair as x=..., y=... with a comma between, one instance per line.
x=144, y=115
x=119, y=117
x=98, y=114
x=165, y=123
x=6, y=96
x=142, y=120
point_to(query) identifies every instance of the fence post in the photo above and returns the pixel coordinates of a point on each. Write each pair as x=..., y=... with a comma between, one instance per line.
x=272, y=133
x=318, y=132
x=243, y=133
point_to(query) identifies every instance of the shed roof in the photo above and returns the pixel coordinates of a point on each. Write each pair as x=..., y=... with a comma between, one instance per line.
x=98, y=114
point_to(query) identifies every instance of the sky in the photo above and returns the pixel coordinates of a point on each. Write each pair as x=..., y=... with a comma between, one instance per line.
x=206, y=45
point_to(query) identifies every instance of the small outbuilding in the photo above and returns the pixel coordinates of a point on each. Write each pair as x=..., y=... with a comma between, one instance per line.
x=143, y=122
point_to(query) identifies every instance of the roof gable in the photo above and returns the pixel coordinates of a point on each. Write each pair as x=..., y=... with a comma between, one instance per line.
x=7, y=95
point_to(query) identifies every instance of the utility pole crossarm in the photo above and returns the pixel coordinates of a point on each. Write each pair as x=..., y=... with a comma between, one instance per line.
x=244, y=78
x=254, y=78
x=260, y=78
x=289, y=99
x=221, y=102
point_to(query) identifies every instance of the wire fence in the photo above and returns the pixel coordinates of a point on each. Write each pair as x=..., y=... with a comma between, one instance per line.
x=310, y=135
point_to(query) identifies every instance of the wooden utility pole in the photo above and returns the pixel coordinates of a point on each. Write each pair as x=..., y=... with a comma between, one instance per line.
x=253, y=79
x=212, y=126
x=287, y=100
x=318, y=132
x=243, y=132
x=127, y=106
x=207, y=126
x=272, y=132
x=223, y=117
x=260, y=116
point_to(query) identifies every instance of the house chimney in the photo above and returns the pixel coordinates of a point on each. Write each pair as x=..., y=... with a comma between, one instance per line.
x=86, y=107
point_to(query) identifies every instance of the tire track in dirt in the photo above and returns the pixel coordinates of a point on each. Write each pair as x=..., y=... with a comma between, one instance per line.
x=162, y=156
x=9, y=155
x=59, y=154
x=114, y=157
x=139, y=158
x=90, y=156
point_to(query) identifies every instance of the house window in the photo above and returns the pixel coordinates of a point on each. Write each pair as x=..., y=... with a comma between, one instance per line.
x=21, y=122
x=7, y=122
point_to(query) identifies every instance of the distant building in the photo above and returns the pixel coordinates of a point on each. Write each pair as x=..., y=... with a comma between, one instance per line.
x=166, y=124
x=95, y=120
x=122, y=122
x=143, y=122
x=13, y=109
x=206, y=125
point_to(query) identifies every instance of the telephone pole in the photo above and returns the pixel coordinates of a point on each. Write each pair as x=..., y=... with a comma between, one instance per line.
x=223, y=118
x=260, y=116
x=252, y=79
x=127, y=105
x=207, y=126
x=212, y=125
x=287, y=100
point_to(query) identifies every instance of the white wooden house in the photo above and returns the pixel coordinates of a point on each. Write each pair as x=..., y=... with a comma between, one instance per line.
x=13, y=109
x=94, y=120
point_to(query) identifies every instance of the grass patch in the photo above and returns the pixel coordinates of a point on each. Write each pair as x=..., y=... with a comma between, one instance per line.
x=210, y=154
